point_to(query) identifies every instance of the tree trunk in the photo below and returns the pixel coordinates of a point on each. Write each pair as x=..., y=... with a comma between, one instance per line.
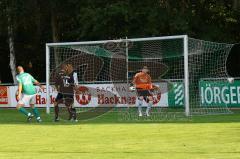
x=12, y=62
x=54, y=24
x=236, y=4
x=38, y=23
x=55, y=33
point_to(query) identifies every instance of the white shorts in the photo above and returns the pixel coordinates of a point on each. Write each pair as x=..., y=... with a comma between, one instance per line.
x=27, y=99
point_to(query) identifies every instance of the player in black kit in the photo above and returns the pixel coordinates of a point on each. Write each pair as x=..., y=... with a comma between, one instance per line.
x=66, y=81
x=71, y=83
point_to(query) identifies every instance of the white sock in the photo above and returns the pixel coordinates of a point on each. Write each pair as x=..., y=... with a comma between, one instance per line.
x=150, y=103
x=140, y=102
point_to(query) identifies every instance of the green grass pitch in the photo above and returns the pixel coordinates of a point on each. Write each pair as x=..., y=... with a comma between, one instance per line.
x=205, y=137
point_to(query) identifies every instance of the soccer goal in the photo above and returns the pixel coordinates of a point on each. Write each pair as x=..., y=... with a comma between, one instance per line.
x=178, y=64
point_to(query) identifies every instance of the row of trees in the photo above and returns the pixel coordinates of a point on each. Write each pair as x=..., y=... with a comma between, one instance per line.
x=25, y=26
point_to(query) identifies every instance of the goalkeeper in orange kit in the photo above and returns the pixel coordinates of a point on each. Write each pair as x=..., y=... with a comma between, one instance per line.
x=143, y=84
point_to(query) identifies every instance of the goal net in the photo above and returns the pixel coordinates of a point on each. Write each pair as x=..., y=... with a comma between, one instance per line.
x=184, y=68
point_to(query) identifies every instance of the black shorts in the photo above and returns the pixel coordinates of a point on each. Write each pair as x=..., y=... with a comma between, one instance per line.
x=68, y=98
x=144, y=93
x=59, y=97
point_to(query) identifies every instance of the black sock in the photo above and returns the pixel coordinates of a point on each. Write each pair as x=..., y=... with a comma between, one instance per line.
x=70, y=113
x=56, y=109
x=74, y=113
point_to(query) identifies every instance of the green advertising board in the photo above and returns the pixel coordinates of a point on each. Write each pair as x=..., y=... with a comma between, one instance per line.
x=176, y=94
x=219, y=93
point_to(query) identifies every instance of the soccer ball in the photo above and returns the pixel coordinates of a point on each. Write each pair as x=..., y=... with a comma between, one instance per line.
x=156, y=87
x=132, y=88
x=230, y=80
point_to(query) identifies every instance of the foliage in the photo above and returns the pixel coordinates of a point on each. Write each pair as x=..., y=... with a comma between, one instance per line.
x=79, y=20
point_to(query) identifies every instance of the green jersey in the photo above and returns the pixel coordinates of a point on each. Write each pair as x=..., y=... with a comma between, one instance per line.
x=27, y=83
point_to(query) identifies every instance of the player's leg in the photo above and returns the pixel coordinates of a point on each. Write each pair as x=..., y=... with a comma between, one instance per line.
x=56, y=110
x=69, y=103
x=58, y=100
x=140, y=102
x=36, y=113
x=20, y=107
x=34, y=109
x=71, y=111
x=150, y=104
x=74, y=113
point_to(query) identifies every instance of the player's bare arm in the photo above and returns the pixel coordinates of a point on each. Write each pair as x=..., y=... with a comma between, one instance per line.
x=19, y=94
x=75, y=81
x=39, y=84
x=134, y=79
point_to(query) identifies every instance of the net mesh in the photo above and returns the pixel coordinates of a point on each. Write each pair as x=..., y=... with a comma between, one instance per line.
x=207, y=61
x=105, y=72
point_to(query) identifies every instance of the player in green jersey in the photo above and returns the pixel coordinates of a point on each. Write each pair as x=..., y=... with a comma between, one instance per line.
x=26, y=93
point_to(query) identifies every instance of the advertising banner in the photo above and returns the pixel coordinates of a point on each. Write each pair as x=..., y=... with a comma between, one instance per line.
x=176, y=94
x=115, y=95
x=220, y=93
x=40, y=99
x=212, y=93
x=3, y=96
x=93, y=95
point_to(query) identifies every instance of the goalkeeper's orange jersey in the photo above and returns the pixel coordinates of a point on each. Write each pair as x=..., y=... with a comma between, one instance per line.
x=143, y=81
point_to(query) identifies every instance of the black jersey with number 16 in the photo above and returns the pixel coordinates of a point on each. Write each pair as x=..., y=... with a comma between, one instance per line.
x=69, y=82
